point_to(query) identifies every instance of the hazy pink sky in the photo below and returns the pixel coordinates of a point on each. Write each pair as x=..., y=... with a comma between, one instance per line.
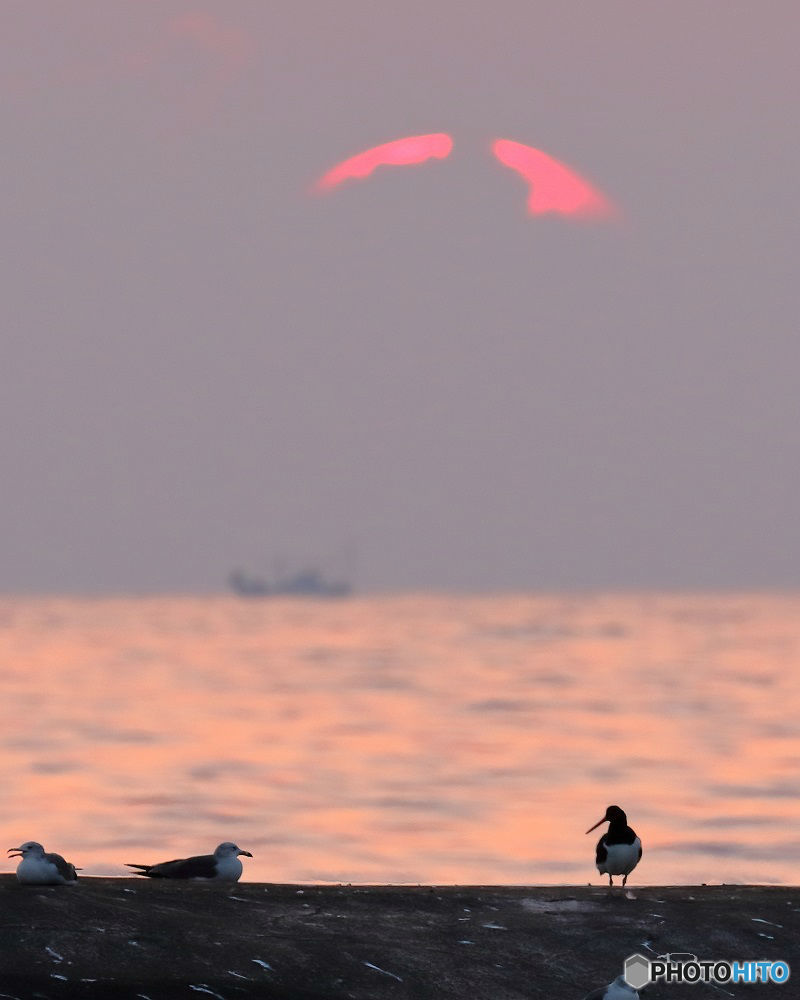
x=203, y=367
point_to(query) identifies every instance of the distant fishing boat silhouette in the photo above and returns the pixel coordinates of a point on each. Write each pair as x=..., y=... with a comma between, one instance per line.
x=306, y=583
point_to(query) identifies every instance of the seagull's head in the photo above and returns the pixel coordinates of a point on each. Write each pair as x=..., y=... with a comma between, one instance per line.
x=621, y=986
x=230, y=850
x=30, y=849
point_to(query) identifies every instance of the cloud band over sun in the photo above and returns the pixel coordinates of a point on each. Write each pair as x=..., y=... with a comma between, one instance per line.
x=554, y=188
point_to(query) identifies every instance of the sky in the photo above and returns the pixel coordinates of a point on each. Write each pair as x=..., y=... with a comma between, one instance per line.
x=207, y=363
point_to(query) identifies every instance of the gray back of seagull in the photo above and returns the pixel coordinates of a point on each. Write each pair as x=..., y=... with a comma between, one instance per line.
x=200, y=866
x=64, y=868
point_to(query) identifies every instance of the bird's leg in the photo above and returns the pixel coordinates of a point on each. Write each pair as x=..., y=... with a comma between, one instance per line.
x=624, y=880
x=610, y=881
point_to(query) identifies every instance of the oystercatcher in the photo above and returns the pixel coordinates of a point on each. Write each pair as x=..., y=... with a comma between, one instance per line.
x=619, y=850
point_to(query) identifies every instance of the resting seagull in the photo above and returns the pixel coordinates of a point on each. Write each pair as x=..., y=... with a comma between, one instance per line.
x=618, y=990
x=40, y=868
x=619, y=850
x=223, y=865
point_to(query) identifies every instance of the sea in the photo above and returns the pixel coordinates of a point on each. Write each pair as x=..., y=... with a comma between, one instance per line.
x=415, y=738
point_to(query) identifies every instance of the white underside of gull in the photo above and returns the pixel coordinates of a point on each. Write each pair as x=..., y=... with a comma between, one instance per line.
x=229, y=869
x=40, y=871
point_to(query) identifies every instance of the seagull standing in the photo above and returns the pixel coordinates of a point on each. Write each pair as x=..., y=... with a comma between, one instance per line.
x=618, y=990
x=223, y=865
x=39, y=868
x=619, y=850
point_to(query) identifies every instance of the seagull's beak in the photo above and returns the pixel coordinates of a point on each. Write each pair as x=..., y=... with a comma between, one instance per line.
x=247, y=854
x=15, y=852
x=596, y=825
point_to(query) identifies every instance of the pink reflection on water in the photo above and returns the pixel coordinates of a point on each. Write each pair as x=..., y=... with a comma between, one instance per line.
x=553, y=186
x=407, y=739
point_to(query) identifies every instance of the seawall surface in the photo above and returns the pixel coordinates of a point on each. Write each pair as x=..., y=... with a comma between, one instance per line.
x=156, y=940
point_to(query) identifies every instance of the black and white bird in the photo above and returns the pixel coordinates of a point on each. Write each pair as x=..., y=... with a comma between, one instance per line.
x=37, y=867
x=223, y=865
x=619, y=850
x=618, y=990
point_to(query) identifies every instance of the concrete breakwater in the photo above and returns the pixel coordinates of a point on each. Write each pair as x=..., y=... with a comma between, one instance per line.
x=127, y=938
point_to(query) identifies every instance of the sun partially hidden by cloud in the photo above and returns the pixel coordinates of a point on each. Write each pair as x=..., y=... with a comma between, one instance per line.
x=554, y=187
x=410, y=149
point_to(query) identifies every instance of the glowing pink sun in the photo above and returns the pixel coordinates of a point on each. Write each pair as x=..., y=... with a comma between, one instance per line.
x=411, y=149
x=554, y=187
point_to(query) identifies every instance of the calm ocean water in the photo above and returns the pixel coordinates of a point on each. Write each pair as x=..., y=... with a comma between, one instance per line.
x=407, y=739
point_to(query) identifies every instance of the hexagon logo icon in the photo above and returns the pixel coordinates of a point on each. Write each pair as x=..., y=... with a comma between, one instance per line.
x=637, y=971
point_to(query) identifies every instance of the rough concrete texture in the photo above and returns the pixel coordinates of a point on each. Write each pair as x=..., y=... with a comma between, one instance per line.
x=126, y=938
